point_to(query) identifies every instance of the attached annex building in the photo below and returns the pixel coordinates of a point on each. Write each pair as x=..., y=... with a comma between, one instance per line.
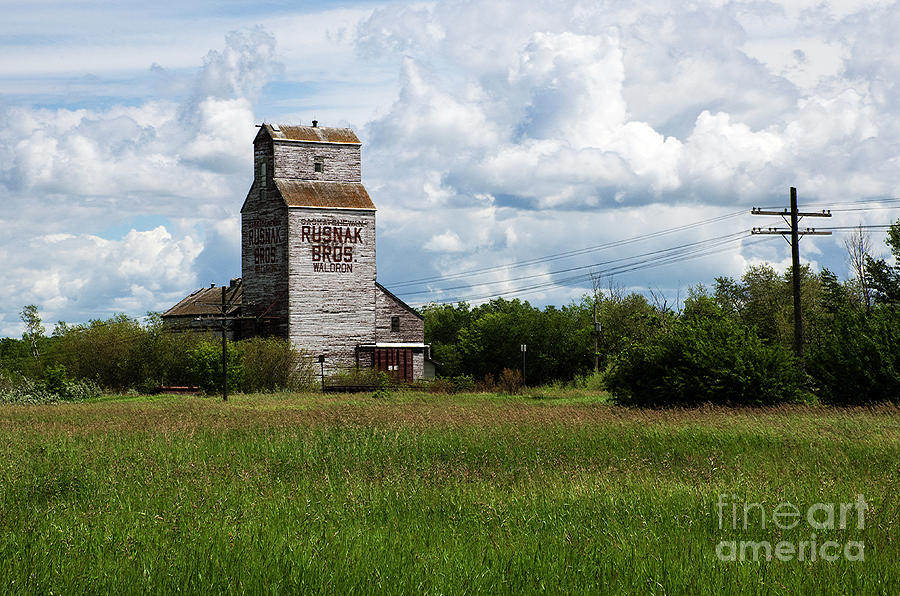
x=308, y=256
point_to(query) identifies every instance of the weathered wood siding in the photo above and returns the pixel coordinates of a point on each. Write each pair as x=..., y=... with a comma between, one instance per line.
x=312, y=269
x=332, y=298
x=412, y=328
x=295, y=159
x=418, y=364
x=264, y=253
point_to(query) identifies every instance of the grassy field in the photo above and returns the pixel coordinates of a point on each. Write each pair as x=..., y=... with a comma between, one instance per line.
x=436, y=494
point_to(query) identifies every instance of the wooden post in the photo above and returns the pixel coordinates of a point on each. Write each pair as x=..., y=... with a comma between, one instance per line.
x=596, y=339
x=795, y=265
x=224, y=350
x=795, y=236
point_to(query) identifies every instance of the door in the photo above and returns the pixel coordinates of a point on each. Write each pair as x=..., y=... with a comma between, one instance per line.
x=397, y=362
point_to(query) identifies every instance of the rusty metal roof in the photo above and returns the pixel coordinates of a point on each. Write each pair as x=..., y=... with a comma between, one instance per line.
x=208, y=302
x=313, y=134
x=327, y=195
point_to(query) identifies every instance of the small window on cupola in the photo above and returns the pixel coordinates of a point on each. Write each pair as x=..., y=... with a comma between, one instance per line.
x=319, y=165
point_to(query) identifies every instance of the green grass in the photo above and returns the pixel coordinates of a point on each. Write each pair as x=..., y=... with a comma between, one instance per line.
x=431, y=494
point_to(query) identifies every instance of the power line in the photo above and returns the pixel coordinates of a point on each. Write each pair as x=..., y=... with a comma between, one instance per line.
x=578, y=278
x=694, y=253
x=879, y=204
x=875, y=208
x=699, y=252
x=580, y=267
x=885, y=203
x=876, y=227
x=567, y=254
x=611, y=271
x=578, y=252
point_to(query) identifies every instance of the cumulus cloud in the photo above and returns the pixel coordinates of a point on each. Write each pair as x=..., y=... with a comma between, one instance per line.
x=445, y=242
x=505, y=131
x=70, y=174
x=93, y=276
x=582, y=113
x=239, y=70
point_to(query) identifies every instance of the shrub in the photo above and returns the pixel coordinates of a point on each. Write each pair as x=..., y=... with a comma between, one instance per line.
x=273, y=364
x=362, y=378
x=709, y=360
x=462, y=383
x=593, y=381
x=440, y=385
x=165, y=356
x=383, y=384
x=18, y=389
x=15, y=388
x=486, y=385
x=510, y=381
x=858, y=360
x=205, y=366
x=57, y=382
x=109, y=352
x=78, y=390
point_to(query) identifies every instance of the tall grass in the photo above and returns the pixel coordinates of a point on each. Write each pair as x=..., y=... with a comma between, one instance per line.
x=430, y=494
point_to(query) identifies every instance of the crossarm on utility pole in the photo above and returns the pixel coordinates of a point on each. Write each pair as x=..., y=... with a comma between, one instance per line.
x=795, y=234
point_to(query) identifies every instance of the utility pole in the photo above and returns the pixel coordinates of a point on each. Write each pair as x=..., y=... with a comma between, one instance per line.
x=598, y=296
x=523, y=347
x=795, y=234
x=224, y=349
x=596, y=339
x=224, y=306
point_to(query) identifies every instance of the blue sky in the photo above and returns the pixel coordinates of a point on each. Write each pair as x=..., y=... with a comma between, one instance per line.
x=494, y=133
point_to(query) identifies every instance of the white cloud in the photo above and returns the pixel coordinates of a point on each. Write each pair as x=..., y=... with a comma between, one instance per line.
x=495, y=131
x=86, y=276
x=581, y=114
x=445, y=242
x=726, y=155
x=71, y=174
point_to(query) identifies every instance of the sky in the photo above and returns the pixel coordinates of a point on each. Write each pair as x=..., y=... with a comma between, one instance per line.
x=512, y=148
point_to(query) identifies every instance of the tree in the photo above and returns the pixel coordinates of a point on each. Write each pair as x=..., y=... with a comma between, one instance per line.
x=205, y=365
x=487, y=339
x=34, y=330
x=112, y=353
x=763, y=300
x=624, y=319
x=884, y=278
x=704, y=359
x=835, y=297
x=700, y=305
x=858, y=360
x=760, y=300
x=858, y=245
x=491, y=341
x=443, y=323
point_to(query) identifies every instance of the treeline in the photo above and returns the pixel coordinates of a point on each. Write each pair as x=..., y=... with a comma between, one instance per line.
x=729, y=344
x=121, y=354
